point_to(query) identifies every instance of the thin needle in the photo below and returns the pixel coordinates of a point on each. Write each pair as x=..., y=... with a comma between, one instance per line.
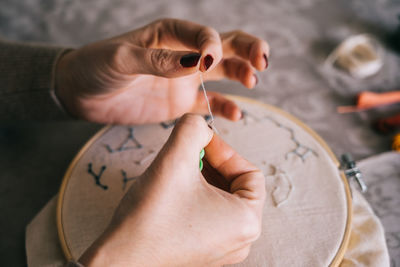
x=208, y=104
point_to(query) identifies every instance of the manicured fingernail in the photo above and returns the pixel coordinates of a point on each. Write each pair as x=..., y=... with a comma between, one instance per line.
x=266, y=61
x=208, y=60
x=190, y=60
x=255, y=76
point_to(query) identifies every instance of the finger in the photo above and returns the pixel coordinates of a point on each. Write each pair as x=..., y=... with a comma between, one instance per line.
x=174, y=33
x=246, y=180
x=215, y=178
x=220, y=106
x=250, y=186
x=235, y=69
x=246, y=46
x=189, y=136
x=158, y=62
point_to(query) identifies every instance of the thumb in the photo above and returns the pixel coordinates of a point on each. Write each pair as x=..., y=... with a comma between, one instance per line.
x=159, y=62
x=179, y=157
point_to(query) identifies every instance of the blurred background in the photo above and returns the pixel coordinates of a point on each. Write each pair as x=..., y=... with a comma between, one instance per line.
x=301, y=33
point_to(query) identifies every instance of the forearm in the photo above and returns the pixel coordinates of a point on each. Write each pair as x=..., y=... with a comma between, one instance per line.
x=26, y=81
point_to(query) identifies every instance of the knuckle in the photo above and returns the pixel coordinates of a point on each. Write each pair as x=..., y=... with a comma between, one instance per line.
x=209, y=30
x=236, y=33
x=161, y=59
x=118, y=54
x=160, y=22
x=239, y=32
x=242, y=254
x=207, y=34
x=257, y=44
x=239, y=256
x=250, y=229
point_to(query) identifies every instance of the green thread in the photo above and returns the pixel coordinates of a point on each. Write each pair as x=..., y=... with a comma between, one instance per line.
x=202, y=153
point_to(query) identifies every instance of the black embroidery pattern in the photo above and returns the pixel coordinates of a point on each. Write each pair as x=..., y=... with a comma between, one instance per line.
x=124, y=146
x=168, y=124
x=97, y=177
x=125, y=179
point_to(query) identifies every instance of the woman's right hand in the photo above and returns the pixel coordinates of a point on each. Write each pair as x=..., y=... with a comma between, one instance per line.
x=173, y=215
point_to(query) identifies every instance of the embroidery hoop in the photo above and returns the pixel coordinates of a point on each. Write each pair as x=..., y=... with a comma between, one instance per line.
x=345, y=238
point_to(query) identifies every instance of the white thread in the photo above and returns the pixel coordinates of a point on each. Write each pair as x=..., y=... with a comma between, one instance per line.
x=211, y=123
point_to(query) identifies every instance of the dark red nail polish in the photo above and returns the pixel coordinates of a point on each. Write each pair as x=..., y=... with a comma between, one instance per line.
x=190, y=60
x=266, y=61
x=255, y=76
x=208, y=60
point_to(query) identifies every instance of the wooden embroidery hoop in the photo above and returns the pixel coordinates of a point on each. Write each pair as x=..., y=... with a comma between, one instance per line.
x=346, y=236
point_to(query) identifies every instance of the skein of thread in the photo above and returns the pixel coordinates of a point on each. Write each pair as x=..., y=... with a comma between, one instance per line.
x=388, y=124
x=396, y=143
x=360, y=55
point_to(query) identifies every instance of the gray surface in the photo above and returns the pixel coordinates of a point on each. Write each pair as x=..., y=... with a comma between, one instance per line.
x=301, y=33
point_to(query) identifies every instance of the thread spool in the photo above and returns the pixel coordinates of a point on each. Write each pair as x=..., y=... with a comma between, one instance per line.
x=360, y=55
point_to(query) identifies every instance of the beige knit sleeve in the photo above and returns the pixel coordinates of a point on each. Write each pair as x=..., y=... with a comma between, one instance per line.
x=26, y=82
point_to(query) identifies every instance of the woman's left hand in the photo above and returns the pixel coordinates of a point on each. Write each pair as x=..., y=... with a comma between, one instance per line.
x=152, y=74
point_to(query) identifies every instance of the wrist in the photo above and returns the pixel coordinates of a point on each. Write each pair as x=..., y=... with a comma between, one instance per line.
x=114, y=249
x=63, y=89
x=101, y=253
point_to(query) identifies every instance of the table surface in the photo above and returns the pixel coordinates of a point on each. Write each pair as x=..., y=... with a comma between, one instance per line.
x=34, y=155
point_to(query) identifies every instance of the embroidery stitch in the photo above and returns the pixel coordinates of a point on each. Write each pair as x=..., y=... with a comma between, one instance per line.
x=123, y=146
x=301, y=150
x=168, y=124
x=282, y=185
x=125, y=179
x=97, y=177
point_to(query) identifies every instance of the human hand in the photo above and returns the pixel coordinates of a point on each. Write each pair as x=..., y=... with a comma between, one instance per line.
x=171, y=216
x=152, y=74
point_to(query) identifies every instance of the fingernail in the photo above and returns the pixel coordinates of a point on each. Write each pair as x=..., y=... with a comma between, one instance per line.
x=190, y=60
x=255, y=76
x=208, y=60
x=266, y=61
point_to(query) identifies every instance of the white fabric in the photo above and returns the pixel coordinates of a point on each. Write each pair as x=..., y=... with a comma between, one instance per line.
x=305, y=210
x=305, y=205
x=367, y=245
x=42, y=244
